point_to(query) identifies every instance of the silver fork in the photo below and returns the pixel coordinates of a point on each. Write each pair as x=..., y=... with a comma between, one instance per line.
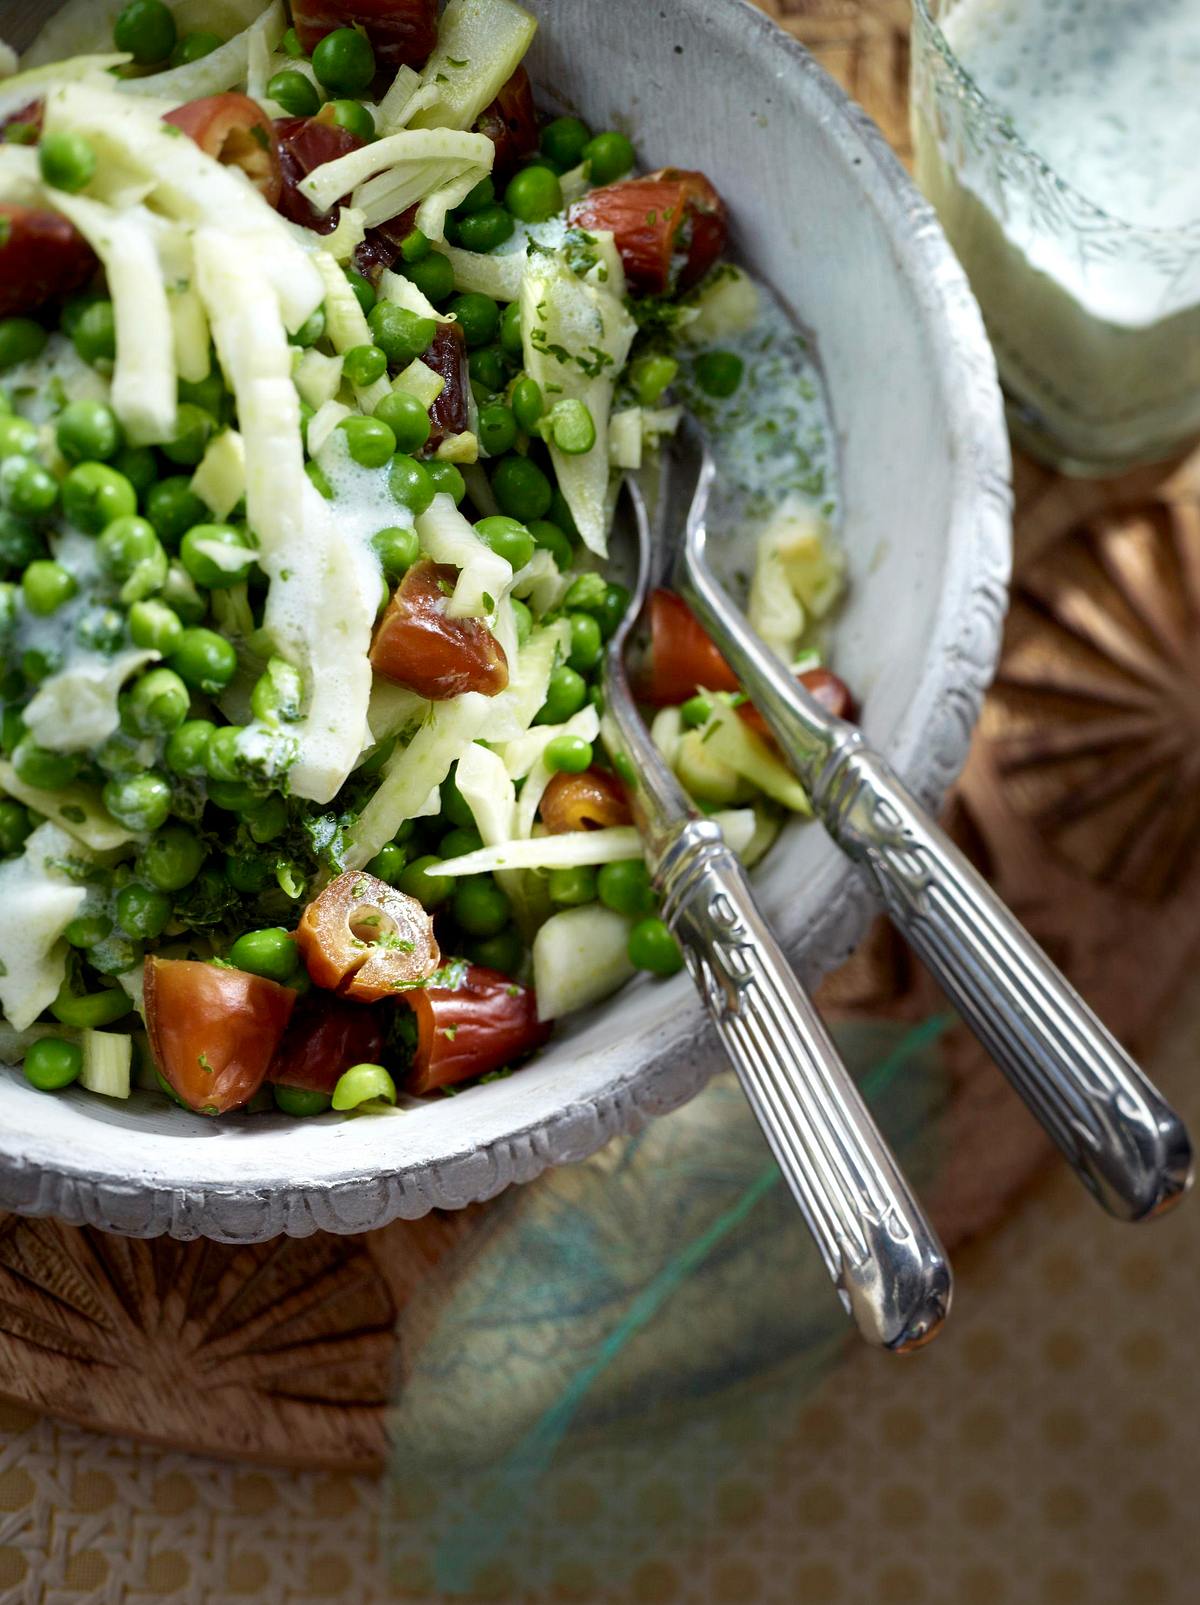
x=881, y=1252
x=1127, y=1145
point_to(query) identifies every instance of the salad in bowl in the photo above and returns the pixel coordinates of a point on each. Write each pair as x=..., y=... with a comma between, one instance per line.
x=322, y=353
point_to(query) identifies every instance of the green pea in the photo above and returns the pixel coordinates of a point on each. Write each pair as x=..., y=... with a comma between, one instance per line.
x=625, y=887
x=572, y=427
x=203, y=567
x=234, y=796
x=295, y=93
x=291, y=46
x=510, y=335
x=95, y=333
x=402, y=335
x=369, y=440
x=18, y=437
x=586, y=591
x=94, y=495
x=455, y=806
x=407, y=419
x=20, y=543
x=652, y=947
x=534, y=194
x=476, y=199
x=158, y=702
x=319, y=480
x=204, y=660
x=52, y=1063
x=560, y=514
x=102, y=629
x=571, y=888
x=415, y=245
x=486, y=368
x=364, y=290
x=398, y=549
x=88, y=930
x=73, y=309
x=363, y=365
x=38, y=766
x=126, y=544
x=388, y=862
x=486, y=229
x=37, y=663
x=311, y=330
x=21, y=339
x=209, y=393
x=497, y=429
x=432, y=275
x=695, y=711
x=446, y=480
x=172, y=858
x=568, y=755
x=566, y=693
x=410, y=484
x=267, y=819
x=154, y=627
x=46, y=585
x=140, y=467
x=612, y=610
x=344, y=62
x=719, y=373
x=193, y=427
x=15, y=826
x=67, y=160
x=503, y=952
x=27, y=488
x=527, y=403
x=564, y=141
x=141, y=911
x=522, y=618
x=651, y=376
x=120, y=754
x=8, y=607
x=548, y=537
x=460, y=841
x=139, y=802
x=195, y=46
x=300, y=1102
x=429, y=890
x=146, y=29
x=508, y=538
x=12, y=726
x=363, y=1083
x=586, y=642
x=521, y=488
x=223, y=760
x=610, y=156
x=271, y=953
x=174, y=508
x=480, y=907
x=478, y=317
x=351, y=115
x=92, y=1010
x=278, y=693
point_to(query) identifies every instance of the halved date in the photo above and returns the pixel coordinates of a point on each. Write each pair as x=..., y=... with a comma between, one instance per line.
x=669, y=227
x=437, y=657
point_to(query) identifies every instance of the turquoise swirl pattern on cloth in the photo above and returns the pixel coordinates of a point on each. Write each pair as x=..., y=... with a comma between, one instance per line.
x=661, y=1304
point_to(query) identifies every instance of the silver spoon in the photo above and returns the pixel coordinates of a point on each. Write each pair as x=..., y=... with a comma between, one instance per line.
x=1128, y=1146
x=882, y=1254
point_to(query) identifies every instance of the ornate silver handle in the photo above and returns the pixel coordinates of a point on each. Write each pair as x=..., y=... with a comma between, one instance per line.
x=1127, y=1145
x=881, y=1252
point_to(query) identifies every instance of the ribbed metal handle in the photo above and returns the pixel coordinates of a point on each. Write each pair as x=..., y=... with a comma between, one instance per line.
x=881, y=1252
x=1127, y=1144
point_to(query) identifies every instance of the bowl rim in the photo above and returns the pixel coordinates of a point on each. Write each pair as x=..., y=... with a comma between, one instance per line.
x=928, y=747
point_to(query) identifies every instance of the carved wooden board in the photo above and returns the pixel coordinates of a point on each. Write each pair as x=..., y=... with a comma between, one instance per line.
x=1080, y=801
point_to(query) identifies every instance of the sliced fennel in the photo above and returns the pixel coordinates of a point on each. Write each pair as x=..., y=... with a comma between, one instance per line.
x=76, y=709
x=625, y=438
x=324, y=585
x=77, y=808
x=20, y=176
x=347, y=236
x=220, y=478
x=83, y=25
x=317, y=377
x=585, y=724
x=799, y=573
x=229, y=65
x=322, y=424
x=413, y=771
x=515, y=709
x=407, y=160
x=725, y=307
x=732, y=741
x=404, y=293
x=579, y=957
x=522, y=752
x=484, y=577
x=488, y=791
x=37, y=903
x=497, y=276
x=576, y=338
x=345, y=321
x=541, y=582
x=144, y=382
x=420, y=380
x=107, y=1061
x=480, y=46
x=393, y=709
x=571, y=849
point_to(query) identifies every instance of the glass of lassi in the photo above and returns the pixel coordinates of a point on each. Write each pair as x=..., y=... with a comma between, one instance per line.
x=1059, y=141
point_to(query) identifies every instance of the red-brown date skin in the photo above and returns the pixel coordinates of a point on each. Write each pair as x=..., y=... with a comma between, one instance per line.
x=304, y=144
x=42, y=256
x=325, y=1036
x=437, y=657
x=650, y=218
x=365, y=940
x=510, y=122
x=590, y=801
x=486, y=1023
x=402, y=32
x=236, y=131
x=447, y=355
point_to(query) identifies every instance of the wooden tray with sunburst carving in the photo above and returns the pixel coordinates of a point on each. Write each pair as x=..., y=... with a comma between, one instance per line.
x=1080, y=801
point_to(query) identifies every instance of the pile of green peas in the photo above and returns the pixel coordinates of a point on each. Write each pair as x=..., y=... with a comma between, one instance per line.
x=147, y=30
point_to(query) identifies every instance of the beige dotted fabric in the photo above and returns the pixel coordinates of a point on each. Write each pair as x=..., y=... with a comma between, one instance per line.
x=1038, y=1454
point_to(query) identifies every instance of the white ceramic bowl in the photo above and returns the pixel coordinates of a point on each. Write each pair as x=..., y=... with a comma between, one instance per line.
x=823, y=211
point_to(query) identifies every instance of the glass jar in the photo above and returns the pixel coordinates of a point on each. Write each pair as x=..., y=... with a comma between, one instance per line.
x=1095, y=320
